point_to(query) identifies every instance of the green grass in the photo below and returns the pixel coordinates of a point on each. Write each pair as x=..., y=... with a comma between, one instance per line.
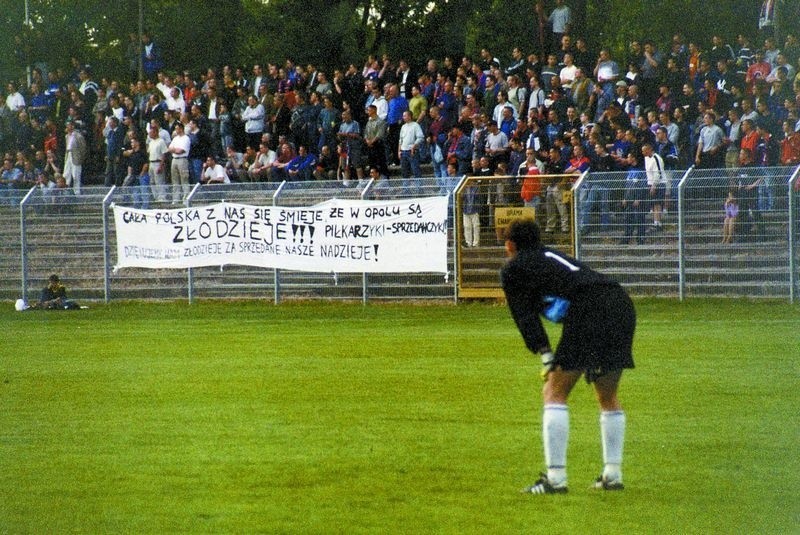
x=317, y=418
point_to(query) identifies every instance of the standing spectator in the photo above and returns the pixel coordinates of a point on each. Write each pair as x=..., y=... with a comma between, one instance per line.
x=634, y=201
x=757, y=72
x=74, y=156
x=418, y=105
x=152, y=60
x=253, y=117
x=397, y=105
x=650, y=67
x=138, y=176
x=200, y=148
x=790, y=144
x=555, y=185
x=349, y=147
x=656, y=183
x=497, y=145
x=748, y=181
x=529, y=173
x=179, y=148
x=459, y=150
x=710, y=145
x=731, y=206
x=327, y=123
x=114, y=137
x=374, y=139
x=560, y=20
x=596, y=187
x=157, y=159
x=411, y=139
x=606, y=72
x=733, y=138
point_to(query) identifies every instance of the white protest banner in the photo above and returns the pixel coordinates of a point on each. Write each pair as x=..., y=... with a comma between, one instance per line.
x=342, y=236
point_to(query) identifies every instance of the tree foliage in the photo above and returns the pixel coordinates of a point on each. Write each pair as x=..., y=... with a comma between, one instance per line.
x=332, y=33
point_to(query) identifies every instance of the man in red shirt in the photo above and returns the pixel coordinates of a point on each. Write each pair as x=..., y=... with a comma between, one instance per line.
x=759, y=70
x=790, y=145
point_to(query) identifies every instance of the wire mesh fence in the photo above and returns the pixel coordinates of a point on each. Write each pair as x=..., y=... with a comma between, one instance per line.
x=629, y=228
x=718, y=232
x=486, y=205
x=736, y=232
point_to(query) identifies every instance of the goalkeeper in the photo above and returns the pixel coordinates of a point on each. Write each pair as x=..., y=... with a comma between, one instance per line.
x=598, y=324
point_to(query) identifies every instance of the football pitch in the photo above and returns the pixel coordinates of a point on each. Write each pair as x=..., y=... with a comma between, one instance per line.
x=241, y=417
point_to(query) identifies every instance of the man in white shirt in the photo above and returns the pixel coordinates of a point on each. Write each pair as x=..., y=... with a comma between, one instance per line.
x=214, y=173
x=378, y=100
x=258, y=78
x=157, y=157
x=260, y=170
x=411, y=138
x=175, y=101
x=179, y=148
x=75, y=146
x=14, y=101
x=253, y=117
x=163, y=133
x=656, y=182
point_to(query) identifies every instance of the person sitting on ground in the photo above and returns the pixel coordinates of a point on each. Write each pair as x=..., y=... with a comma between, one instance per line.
x=54, y=296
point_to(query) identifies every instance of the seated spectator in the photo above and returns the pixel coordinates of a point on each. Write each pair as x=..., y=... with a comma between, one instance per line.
x=214, y=173
x=326, y=164
x=279, y=172
x=234, y=166
x=260, y=170
x=302, y=165
x=54, y=297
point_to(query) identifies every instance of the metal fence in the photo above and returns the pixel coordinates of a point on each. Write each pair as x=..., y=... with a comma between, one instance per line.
x=722, y=232
x=486, y=205
x=43, y=231
x=75, y=235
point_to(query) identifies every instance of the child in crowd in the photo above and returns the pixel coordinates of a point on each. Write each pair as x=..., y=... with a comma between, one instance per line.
x=731, y=213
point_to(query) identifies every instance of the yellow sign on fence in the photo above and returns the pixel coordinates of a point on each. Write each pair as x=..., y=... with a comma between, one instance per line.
x=504, y=215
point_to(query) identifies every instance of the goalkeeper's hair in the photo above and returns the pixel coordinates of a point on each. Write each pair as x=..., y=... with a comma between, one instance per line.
x=524, y=233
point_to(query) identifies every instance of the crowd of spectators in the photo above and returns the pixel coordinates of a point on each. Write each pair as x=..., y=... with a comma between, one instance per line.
x=564, y=108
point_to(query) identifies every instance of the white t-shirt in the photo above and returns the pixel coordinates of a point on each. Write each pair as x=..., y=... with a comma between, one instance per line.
x=15, y=101
x=654, y=166
x=217, y=172
x=156, y=148
x=181, y=142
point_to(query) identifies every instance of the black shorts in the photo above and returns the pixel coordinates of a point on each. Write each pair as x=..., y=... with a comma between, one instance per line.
x=657, y=198
x=598, y=333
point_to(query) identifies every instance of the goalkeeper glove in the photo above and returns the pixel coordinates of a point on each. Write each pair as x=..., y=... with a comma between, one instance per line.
x=548, y=364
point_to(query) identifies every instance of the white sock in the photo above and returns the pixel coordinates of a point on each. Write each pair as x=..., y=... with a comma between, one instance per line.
x=612, y=433
x=555, y=435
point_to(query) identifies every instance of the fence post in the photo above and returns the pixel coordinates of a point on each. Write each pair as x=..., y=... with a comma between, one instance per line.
x=681, y=237
x=456, y=240
x=792, y=238
x=24, y=243
x=106, y=247
x=364, y=276
x=189, y=272
x=576, y=216
x=276, y=272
